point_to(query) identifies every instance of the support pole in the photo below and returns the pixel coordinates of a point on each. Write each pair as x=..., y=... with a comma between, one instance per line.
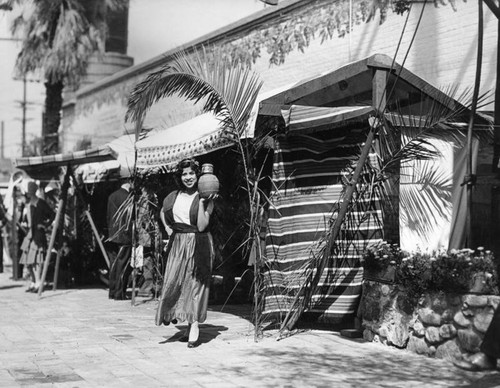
x=138, y=128
x=56, y=270
x=57, y=220
x=470, y=178
x=98, y=238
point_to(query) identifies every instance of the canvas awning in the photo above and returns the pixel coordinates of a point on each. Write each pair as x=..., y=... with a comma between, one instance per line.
x=46, y=166
x=308, y=119
x=123, y=166
x=194, y=137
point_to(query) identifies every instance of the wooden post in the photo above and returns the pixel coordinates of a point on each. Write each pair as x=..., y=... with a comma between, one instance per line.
x=56, y=270
x=138, y=128
x=98, y=238
x=60, y=206
x=470, y=178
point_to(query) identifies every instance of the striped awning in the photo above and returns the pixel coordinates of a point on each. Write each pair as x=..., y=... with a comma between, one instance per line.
x=309, y=119
x=194, y=137
x=41, y=167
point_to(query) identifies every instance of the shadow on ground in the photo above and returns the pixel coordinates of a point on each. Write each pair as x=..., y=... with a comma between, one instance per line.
x=374, y=368
x=241, y=310
x=207, y=333
x=10, y=286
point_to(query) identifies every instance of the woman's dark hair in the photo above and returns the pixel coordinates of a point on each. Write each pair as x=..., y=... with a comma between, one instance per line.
x=185, y=163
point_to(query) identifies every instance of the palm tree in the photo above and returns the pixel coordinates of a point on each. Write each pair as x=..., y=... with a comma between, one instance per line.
x=58, y=38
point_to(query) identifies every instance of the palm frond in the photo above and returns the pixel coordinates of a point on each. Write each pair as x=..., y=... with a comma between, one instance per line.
x=226, y=89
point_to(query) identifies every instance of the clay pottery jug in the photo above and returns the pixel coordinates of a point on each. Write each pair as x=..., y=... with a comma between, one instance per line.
x=208, y=183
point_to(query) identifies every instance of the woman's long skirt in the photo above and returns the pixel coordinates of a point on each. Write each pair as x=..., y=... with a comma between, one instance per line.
x=183, y=297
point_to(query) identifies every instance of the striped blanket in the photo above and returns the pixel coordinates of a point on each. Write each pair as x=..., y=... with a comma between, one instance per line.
x=309, y=172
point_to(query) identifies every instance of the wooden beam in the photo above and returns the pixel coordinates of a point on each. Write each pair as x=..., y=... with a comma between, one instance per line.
x=379, y=90
x=312, y=85
x=380, y=61
x=97, y=237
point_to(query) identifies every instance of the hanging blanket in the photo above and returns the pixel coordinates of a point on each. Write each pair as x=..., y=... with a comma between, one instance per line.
x=308, y=176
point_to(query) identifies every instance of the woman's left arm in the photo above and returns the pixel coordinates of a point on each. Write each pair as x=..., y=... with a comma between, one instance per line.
x=204, y=212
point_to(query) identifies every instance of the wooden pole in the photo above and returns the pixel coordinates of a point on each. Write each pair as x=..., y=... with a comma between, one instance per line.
x=98, y=238
x=60, y=206
x=138, y=128
x=470, y=178
x=56, y=270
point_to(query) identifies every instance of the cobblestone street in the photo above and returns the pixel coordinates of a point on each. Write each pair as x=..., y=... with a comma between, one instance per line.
x=80, y=338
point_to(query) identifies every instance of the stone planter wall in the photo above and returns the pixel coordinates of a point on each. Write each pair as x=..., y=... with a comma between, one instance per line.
x=441, y=325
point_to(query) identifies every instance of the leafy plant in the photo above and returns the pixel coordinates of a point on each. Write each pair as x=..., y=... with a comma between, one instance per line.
x=449, y=272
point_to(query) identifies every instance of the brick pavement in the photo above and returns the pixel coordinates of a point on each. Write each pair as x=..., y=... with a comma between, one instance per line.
x=80, y=338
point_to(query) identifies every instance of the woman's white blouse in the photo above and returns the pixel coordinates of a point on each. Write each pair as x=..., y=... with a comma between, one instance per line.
x=182, y=206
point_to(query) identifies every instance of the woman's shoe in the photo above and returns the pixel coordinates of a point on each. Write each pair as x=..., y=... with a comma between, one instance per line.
x=193, y=344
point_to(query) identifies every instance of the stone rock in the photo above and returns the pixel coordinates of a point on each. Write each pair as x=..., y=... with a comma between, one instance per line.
x=399, y=336
x=494, y=301
x=468, y=312
x=448, y=350
x=432, y=335
x=482, y=320
x=418, y=329
x=429, y=317
x=447, y=331
x=371, y=311
x=418, y=345
x=461, y=320
x=476, y=300
x=447, y=316
x=455, y=300
x=368, y=335
x=468, y=340
x=438, y=303
x=383, y=331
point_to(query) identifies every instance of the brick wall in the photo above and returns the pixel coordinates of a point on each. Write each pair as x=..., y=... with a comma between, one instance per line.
x=443, y=53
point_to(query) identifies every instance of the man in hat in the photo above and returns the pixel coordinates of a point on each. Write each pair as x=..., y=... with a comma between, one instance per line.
x=39, y=217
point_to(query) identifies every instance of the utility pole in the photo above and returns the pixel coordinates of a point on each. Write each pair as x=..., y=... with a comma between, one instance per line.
x=24, y=119
x=23, y=138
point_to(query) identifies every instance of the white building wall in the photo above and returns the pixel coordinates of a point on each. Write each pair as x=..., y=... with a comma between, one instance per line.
x=443, y=53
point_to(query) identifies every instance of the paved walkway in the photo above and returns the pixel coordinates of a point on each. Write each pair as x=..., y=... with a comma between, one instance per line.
x=80, y=338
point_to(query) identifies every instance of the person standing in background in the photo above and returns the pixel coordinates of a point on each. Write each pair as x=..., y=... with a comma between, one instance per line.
x=39, y=217
x=3, y=222
x=120, y=244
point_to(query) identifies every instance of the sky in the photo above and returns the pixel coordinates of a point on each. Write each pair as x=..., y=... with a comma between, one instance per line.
x=155, y=26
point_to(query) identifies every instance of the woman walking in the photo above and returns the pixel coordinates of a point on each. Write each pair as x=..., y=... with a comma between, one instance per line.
x=190, y=253
x=34, y=247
